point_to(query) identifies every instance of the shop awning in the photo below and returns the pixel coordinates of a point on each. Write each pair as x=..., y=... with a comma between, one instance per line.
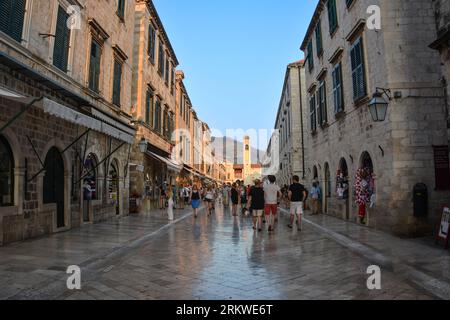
x=171, y=164
x=56, y=109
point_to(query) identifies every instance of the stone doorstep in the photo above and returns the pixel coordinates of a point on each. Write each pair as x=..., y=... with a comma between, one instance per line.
x=427, y=282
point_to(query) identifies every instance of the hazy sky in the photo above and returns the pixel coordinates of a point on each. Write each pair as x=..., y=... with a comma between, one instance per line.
x=234, y=55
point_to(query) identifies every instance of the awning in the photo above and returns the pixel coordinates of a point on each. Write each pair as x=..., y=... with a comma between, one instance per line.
x=68, y=114
x=191, y=171
x=56, y=109
x=171, y=164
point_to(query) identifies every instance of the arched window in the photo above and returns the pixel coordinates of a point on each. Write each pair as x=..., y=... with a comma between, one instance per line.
x=366, y=162
x=6, y=174
x=315, y=173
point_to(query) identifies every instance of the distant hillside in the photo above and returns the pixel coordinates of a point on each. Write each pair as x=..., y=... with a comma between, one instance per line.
x=232, y=150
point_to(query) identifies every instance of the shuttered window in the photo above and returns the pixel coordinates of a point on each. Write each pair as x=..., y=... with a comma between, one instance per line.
x=322, y=104
x=94, y=66
x=151, y=43
x=332, y=15
x=310, y=57
x=358, y=70
x=157, y=126
x=62, y=41
x=12, y=15
x=117, y=82
x=172, y=81
x=312, y=110
x=319, y=39
x=338, y=89
x=149, y=107
x=121, y=9
x=167, y=74
x=161, y=60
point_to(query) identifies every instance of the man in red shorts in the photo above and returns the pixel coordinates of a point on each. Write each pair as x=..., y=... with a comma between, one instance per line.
x=271, y=195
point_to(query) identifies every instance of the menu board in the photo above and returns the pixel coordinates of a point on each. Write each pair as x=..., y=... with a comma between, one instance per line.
x=442, y=167
x=444, y=226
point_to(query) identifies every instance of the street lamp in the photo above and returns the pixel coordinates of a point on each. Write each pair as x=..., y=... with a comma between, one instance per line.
x=143, y=145
x=378, y=105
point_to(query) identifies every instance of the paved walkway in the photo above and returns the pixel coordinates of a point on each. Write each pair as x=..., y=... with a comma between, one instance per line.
x=419, y=261
x=143, y=257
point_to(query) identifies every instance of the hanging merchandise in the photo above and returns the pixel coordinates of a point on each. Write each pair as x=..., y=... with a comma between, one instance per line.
x=364, y=190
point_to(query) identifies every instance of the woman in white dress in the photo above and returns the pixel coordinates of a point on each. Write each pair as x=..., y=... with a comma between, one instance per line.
x=170, y=204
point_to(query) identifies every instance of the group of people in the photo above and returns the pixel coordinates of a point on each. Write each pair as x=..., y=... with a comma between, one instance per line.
x=261, y=200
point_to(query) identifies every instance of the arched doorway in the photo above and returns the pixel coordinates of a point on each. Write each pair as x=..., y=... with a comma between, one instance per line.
x=90, y=186
x=53, y=187
x=364, y=186
x=315, y=174
x=113, y=183
x=327, y=186
x=6, y=174
x=343, y=188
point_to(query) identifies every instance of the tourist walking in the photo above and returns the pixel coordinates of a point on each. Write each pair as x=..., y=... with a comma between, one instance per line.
x=271, y=195
x=315, y=196
x=234, y=199
x=297, y=194
x=243, y=192
x=256, y=204
x=170, y=203
x=209, y=198
x=195, y=200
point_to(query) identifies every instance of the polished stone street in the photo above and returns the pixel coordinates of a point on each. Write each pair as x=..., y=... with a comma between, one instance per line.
x=144, y=257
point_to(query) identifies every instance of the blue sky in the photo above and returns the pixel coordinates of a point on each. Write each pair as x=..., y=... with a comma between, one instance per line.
x=234, y=55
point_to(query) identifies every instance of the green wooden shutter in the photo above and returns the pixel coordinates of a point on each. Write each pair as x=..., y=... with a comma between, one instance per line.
x=310, y=56
x=12, y=15
x=319, y=39
x=94, y=66
x=358, y=72
x=117, y=82
x=62, y=38
x=332, y=15
x=121, y=8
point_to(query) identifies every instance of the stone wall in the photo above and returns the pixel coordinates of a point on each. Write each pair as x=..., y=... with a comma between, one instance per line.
x=401, y=146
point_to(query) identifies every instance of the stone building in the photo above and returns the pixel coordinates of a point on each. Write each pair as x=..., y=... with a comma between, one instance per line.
x=348, y=59
x=64, y=114
x=243, y=168
x=442, y=44
x=291, y=126
x=184, y=135
x=154, y=101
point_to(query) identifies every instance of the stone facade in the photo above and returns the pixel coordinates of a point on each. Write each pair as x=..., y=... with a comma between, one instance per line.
x=291, y=127
x=400, y=149
x=154, y=101
x=442, y=44
x=27, y=68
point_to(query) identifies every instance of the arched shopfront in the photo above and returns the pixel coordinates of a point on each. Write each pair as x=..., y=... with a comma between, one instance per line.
x=343, y=188
x=53, y=186
x=90, y=185
x=113, y=185
x=6, y=174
